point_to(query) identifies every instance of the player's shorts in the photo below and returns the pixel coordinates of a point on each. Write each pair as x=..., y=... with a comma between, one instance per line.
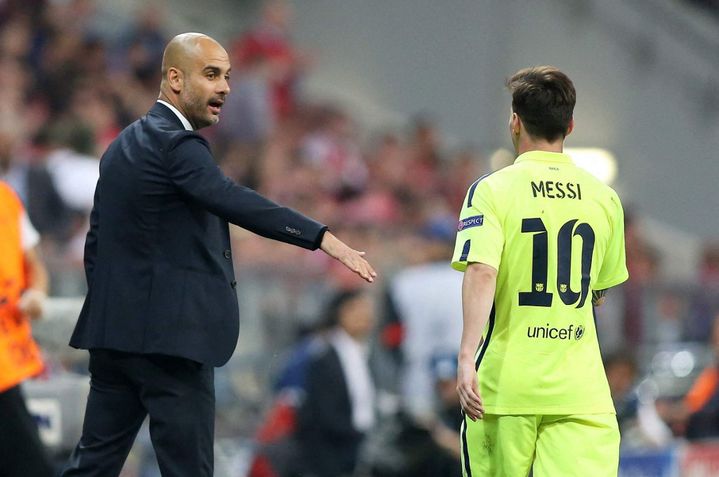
x=566, y=446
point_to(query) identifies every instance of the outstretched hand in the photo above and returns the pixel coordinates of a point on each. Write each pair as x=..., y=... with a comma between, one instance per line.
x=348, y=256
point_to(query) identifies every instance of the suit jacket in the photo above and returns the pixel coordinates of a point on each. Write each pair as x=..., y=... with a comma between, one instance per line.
x=157, y=256
x=326, y=436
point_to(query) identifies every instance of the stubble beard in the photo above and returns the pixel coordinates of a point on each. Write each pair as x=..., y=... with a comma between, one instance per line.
x=197, y=108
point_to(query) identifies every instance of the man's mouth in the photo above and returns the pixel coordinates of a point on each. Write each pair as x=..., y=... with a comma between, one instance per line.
x=215, y=105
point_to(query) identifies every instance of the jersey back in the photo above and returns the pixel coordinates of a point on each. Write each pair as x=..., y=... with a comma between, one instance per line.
x=554, y=233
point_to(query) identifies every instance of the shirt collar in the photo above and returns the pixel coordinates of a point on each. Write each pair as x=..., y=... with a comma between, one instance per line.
x=544, y=156
x=183, y=119
x=346, y=342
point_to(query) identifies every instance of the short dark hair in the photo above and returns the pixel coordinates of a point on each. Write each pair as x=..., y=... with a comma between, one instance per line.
x=335, y=305
x=543, y=97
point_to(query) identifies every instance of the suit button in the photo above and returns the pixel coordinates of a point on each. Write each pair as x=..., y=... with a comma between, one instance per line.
x=227, y=254
x=233, y=283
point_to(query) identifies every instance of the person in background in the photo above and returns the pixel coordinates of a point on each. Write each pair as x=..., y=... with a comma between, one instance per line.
x=339, y=404
x=35, y=187
x=23, y=288
x=269, y=44
x=704, y=304
x=444, y=432
x=424, y=300
x=697, y=415
x=621, y=370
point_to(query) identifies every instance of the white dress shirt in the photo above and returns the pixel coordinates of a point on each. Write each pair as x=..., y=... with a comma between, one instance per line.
x=354, y=361
x=183, y=119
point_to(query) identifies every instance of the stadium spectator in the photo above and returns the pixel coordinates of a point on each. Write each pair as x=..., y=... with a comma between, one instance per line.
x=425, y=156
x=445, y=430
x=457, y=174
x=622, y=373
x=700, y=407
x=334, y=155
x=23, y=288
x=141, y=44
x=704, y=305
x=339, y=404
x=35, y=186
x=643, y=265
x=268, y=44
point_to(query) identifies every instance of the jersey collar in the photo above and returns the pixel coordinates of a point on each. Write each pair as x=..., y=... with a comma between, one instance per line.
x=544, y=156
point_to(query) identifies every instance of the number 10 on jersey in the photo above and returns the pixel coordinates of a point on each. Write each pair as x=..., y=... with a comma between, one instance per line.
x=539, y=296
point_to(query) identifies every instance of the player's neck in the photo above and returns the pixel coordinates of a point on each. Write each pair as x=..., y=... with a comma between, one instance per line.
x=531, y=144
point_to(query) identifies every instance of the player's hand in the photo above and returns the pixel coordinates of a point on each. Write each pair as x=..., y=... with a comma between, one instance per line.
x=32, y=303
x=468, y=390
x=348, y=256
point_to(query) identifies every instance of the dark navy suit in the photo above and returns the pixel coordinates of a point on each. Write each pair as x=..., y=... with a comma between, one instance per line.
x=161, y=310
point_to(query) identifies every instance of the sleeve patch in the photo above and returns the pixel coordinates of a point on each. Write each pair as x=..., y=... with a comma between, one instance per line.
x=469, y=222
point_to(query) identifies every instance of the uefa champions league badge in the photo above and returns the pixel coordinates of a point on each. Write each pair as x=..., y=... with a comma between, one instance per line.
x=469, y=222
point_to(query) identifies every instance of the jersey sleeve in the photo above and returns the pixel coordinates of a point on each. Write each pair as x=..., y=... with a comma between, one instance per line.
x=480, y=237
x=614, y=267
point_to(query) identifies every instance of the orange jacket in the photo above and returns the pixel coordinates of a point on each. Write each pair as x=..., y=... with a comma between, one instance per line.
x=20, y=356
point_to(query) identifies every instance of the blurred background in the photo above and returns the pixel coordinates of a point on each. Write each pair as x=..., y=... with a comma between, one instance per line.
x=375, y=117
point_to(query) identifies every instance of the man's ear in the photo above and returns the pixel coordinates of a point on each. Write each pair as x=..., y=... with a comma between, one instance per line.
x=570, y=128
x=175, y=79
x=515, y=124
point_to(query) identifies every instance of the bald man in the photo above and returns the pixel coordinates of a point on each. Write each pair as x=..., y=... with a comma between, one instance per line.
x=161, y=309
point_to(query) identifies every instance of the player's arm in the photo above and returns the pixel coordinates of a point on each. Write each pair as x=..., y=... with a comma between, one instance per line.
x=478, y=287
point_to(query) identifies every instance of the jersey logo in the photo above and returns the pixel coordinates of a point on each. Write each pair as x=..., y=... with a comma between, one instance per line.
x=549, y=332
x=469, y=222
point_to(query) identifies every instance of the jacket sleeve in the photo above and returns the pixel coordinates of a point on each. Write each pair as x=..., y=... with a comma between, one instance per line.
x=192, y=169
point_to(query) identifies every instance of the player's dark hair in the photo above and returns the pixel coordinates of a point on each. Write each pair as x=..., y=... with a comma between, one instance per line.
x=543, y=97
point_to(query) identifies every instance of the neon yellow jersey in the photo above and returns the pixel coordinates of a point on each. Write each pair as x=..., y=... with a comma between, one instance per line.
x=554, y=233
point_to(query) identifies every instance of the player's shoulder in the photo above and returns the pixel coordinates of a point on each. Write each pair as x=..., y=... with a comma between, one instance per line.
x=493, y=184
x=601, y=189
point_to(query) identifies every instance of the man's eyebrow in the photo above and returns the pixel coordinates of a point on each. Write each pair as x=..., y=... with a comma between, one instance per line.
x=214, y=69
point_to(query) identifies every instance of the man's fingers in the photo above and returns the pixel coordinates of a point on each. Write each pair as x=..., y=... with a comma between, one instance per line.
x=360, y=266
x=471, y=402
x=472, y=410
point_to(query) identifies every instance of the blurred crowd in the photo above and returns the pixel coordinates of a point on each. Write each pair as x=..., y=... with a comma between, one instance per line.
x=66, y=90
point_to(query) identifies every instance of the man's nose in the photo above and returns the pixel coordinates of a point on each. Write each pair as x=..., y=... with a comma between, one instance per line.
x=224, y=87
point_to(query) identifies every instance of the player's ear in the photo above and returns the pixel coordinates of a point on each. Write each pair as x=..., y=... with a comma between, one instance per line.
x=570, y=128
x=515, y=124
